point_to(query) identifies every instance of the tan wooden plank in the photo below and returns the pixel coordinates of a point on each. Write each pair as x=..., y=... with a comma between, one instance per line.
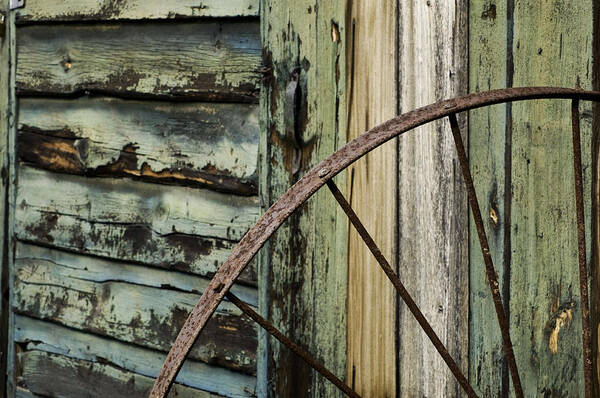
x=86, y=10
x=432, y=218
x=305, y=268
x=212, y=145
x=432, y=214
x=372, y=99
x=168, y=227
x=199, y=60
x=552, y=45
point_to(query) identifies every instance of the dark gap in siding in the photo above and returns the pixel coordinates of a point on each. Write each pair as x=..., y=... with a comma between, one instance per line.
x=5, y=288
x=595, y=219
x=508, y=183
x=397, y=196
x=136, y=96
x=99, y=20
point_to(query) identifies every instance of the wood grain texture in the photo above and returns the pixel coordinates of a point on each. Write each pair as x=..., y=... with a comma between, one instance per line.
x=488, y=38
x=212, y=145
x=69, y=346
x=6, y=123
x=552, y=46
x=305, y=264
x=53, y=375
x=93, y=10
x=168, y=227
x=432, y=213
x=372, y=84
x=201, y=60
x=91, y=298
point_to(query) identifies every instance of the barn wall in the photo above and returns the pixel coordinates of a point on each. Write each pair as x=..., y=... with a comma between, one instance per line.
x=521, y=157
x=135, y=173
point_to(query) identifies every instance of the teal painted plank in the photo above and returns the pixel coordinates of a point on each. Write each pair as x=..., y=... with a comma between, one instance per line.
x=82, y=10
x=211, y=145
x=43, y=336
x=145, y=316
x=200, y=60
x=487, y=148
x=59, y=376
x=169, y=227
x=95, y=269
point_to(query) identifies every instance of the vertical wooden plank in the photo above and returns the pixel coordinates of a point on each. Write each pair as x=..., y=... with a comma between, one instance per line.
x=595, y=221
x=372, y=192
x=5, y=110
x=488, y=70
x=432, y=219
x=8, y=258
x=304, y=266
x=552, y=46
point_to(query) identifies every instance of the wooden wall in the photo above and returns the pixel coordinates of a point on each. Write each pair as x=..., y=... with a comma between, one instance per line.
x=521, y=157
x=135, y=137
x=304, y=267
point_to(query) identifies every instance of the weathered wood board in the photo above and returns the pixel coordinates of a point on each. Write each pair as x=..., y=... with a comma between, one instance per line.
x=523, y=154
x=305, y=266
x=61, y=345
x=135, y=175
x=432, y=217
x=190, y=60
x=372, y=189
x=54, y=375
x=94, y=10
x=212, y=145
x=169, y=227
x=489, y=155
x=91, y=298
x=544, y=275
x=7, y=120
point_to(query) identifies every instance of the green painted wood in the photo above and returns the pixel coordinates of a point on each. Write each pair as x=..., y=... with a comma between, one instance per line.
x=86, y=10
x=552, y=45
x=211, y=145
x=43, y=338
x=168, y=227
x=145, y=316
x=199, y=60
x=528, y=145
x=305, y=267
x=487, y=150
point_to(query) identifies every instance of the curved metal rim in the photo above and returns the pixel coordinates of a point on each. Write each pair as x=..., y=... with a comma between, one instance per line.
x=313, y=180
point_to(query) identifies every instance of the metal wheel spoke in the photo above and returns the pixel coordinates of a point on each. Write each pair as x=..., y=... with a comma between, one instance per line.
x=487, y=258
x=273, y=331
x=410, y=303
x=583, y=283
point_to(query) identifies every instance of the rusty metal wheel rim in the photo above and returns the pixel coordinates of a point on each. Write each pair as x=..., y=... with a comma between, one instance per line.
x=323, y=173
